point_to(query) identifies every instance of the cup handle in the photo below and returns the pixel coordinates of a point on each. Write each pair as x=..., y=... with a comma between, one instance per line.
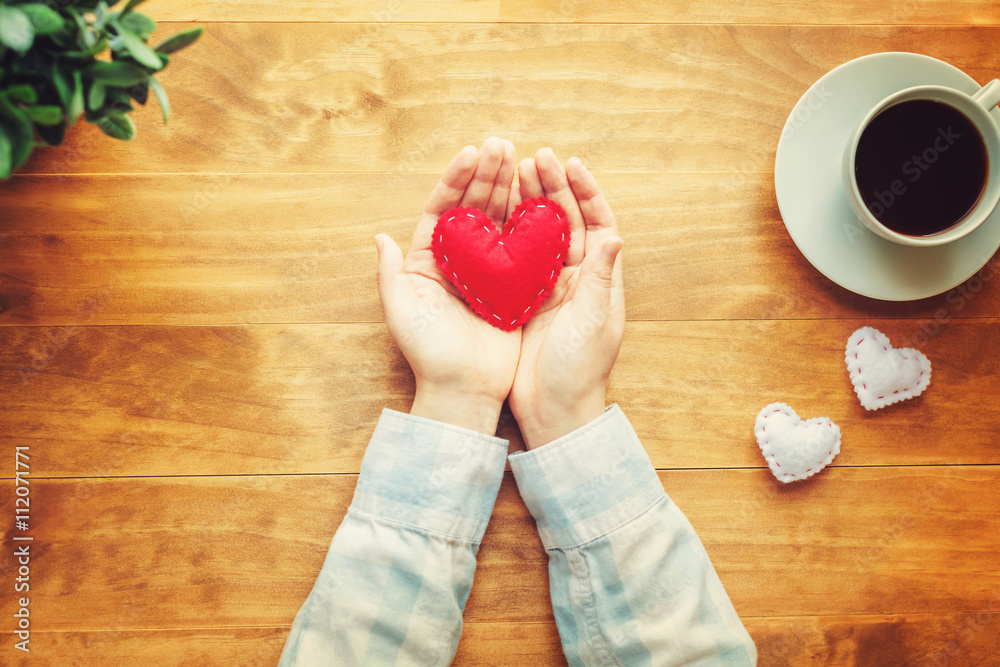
x=989, y=95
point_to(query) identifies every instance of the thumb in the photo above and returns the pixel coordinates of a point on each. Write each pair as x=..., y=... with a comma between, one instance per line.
x=392, y=283
x=593, y=289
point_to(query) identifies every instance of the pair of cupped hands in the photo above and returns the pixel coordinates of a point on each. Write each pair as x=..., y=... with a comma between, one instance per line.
x=554, y=369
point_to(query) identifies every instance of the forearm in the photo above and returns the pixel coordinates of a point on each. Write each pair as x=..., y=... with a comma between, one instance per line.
x=400, y=567
x=629, y=576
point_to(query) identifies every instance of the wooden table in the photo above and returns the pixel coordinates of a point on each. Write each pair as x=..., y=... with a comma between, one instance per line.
x=193, y=348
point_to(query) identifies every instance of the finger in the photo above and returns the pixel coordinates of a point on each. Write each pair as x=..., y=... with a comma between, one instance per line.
x=530, y=183
x=446, y=194
x=596, y=211
x=496, y=207
x=490, y=158
x=394, y=289
x=618, y=288
x=556, y=188
x=515, y=196
x=592, y=298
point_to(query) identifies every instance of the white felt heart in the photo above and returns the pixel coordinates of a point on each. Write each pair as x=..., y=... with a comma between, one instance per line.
x=795, y=449
x=881, y=374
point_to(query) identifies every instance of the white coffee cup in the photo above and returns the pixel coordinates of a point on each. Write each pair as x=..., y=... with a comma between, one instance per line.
x=976, y=108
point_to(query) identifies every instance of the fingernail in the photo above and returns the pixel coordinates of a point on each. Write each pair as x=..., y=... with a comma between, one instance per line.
x=379, y=242
x=575, y=160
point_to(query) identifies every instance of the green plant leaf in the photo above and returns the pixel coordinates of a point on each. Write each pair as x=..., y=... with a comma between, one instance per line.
x=62, y=85
x=91, y=37
x=180, y=40
x=118, y=100
x=16, y=31
x=138, y=48
x=95, y=98
x=117, y=125
x=132, y=4
x=89, y=52
x=139, y=92
x=75, y=107
x=101, y=15
x=117, y=73
x=44, y=19
x=19, y=130
x=22, y=93
x=138, y=23
x=6, y=161
x=161, y=97
x=53, y=135
x=45, y=114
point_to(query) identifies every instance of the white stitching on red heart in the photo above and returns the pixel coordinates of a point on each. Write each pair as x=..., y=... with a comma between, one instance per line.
x=445, y=264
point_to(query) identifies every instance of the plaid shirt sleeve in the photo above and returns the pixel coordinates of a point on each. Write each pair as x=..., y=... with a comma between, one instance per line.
x=631, y=583
x=398, y=573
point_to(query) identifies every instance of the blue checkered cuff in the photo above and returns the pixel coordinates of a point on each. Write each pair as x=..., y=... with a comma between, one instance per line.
x=587, y=483
x=430, y=475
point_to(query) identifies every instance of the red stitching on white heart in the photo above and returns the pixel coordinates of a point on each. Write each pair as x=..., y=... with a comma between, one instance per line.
x=775, y=465
x=865, y=384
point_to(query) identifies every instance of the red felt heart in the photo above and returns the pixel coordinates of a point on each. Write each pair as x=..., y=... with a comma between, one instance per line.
x=505, y=275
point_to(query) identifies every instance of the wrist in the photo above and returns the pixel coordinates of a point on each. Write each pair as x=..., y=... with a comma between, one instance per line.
x=477, y=412
x=553, y=422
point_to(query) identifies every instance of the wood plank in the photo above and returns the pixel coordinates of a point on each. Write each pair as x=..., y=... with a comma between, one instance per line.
x=824, y=12
x=326, y=97
x=508, y=644
x=959, y=640
x=213, y=249
x=149, y=647
x=220, y=551
x=121, y=401
x=966, y=640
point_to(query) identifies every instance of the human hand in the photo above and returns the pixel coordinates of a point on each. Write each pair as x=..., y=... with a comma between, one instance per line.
x=463, y=366
x=570, y=345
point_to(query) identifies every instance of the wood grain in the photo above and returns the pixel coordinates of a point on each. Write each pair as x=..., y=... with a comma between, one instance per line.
x=214, y=249
x=956, y=640
x=122, y=401
x=508, y=644
x=238, y=551
x=192, y=345
x=960, y=640
x=324, y=97
x=823, y=12
x=243, y=647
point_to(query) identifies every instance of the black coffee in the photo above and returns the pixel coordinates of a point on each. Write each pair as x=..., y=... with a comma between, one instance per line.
x=921, y=167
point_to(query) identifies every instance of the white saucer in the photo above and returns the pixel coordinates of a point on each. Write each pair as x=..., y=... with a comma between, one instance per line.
x=811, y=199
